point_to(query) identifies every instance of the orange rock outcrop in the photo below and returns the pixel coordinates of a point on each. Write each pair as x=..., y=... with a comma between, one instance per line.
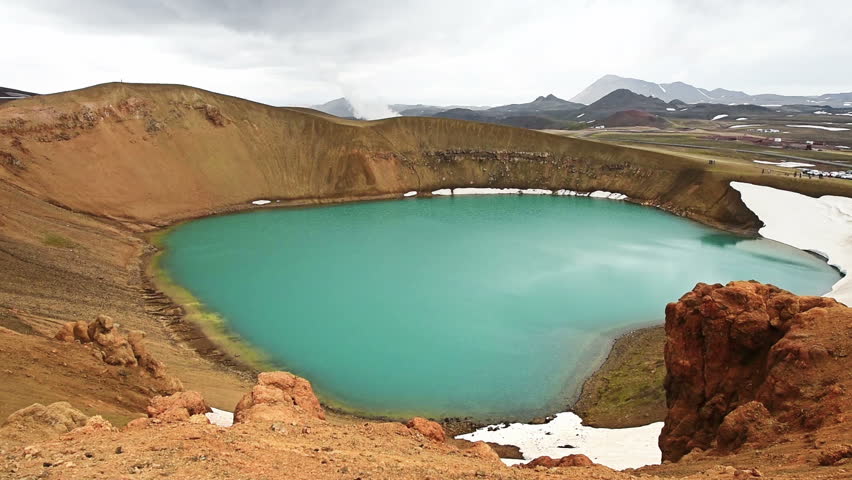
x=429, y=429
x=749, y=362
x=116, y=349
x=278, y=396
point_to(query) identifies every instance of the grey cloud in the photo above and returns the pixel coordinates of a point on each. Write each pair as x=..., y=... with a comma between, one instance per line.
x=462, y=52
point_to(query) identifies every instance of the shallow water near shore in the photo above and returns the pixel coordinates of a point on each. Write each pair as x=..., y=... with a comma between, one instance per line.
x=492, y=307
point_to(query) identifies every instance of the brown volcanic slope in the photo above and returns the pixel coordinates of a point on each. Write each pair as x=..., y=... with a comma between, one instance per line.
x=156, y=153
x=83, y=173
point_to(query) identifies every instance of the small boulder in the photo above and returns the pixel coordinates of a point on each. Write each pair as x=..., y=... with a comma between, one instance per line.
x=74, y=332
x=199, y=419
x=481, y=449
x=93, y=425
x=136, y=341
x=748, y=423
x=39, y=422
x=835, y=455
x=578, y=460
x=178, y=407
x=66, y=333
x=428, y=428
x=141, y=422
x=278, y=396
x=115, y=347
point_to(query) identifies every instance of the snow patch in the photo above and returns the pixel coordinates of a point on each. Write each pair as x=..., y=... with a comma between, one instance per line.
x=220, y=417
x=830, y=129
x=822, y=225
x=742, y=118
x=661, y=88
x=605, y=194
x=486, y=191
x=580, y=115
x=785, y=164
x=670, y=109
x=616, y=448
x=746, y=126
x=528, y=191
x=261, y=202
x=410, y=194
x=719, y=117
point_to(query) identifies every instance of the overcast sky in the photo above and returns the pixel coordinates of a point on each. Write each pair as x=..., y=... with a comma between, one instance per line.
x=473, y=52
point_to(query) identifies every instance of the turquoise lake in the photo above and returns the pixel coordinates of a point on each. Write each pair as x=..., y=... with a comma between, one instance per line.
x=493, y=307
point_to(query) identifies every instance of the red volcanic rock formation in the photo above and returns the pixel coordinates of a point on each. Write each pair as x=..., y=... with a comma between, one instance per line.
x=178, y=407
x=578, y=460
x=278, y=396
x=747, y=362
x=483, y=450
x=115, y=349
x=429, y=429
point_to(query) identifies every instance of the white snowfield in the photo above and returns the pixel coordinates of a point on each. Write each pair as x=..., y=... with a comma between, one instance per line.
x=742, y=118
x=821, y=127
x=746, y=126
x=261, y=202
x=616, y=448
x=220, y=417
x=410, y=194
x=784, y=164
x=719, y=117
x=821, y=225
x=527, y=191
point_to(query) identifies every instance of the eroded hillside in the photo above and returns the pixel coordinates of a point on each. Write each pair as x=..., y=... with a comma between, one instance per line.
x=157, y=153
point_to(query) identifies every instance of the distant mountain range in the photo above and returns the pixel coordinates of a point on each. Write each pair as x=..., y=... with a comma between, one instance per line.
x=690, y=94
x=551, y=111
x=618, y=108
x=7, y=94
x=339, y=107
x=342, y=107
x=544, y=112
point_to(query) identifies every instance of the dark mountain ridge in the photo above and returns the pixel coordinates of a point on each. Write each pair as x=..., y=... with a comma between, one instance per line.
x=9, y=94
x=692, y=94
